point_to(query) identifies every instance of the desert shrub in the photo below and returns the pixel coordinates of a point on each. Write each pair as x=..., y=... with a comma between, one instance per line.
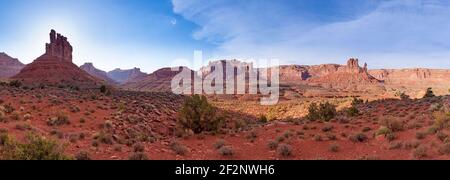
x=393, y=124
x=263, y=119
x=334, y=148
x=138, y=156
x=420, y=152
x=82, y=156
x=220, y=143
x=324, y=112
x=383, y=131
x=103, y=89
x=252, y=136
x=441, y=136
x=359, y=137
x=435, y=107
x=411, y=144
x=445, y=148
x=2, y=116
x=391, y=137
x=317, y=137
x=226, y=151
x=327, y=128
x=331, y=136
x=284, y=150
x=357, y=101
x=441, y=119
x=7, y=108
x=352, y=111
x=198, y=115
x=35, y=148
x=105, y=138
x=421, y=135
x=59, y=119
x=138, y=147
x=15, y=83
x=178, y=148
x=272, y=145
x=429, y=93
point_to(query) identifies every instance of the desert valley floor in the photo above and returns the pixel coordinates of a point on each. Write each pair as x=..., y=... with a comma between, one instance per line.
x=126, y=124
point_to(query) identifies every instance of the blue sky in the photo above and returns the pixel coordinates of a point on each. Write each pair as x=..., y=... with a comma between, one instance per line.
x=152, y=34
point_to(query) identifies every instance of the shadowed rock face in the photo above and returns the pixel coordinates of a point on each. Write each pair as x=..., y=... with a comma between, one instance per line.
x=89, y=68
x=158, y=81
x=9, y=66
x=56, y=67
x=124, y=76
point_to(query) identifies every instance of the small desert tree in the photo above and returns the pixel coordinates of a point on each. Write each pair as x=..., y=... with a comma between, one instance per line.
x=324, y=112
x=198, y=115
x=429, y=93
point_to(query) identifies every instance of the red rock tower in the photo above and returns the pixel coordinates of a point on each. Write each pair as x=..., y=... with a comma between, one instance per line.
x=59, y=47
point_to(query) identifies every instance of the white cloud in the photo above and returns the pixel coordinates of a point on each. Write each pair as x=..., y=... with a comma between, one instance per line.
x=397, y=33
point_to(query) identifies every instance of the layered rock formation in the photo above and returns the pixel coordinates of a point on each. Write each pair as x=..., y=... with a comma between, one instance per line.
x=124, y=76
x=89, y=68
x=56, y=67
x=9, y=66
x=414, y=81
x=158, y=81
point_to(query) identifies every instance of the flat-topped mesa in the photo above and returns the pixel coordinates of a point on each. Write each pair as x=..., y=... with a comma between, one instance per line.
x=59, y=47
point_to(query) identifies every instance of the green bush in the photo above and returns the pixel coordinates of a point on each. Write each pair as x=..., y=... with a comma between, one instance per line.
x=35, y=148
x=324, y=112
x=198, y=115
x=352, y=111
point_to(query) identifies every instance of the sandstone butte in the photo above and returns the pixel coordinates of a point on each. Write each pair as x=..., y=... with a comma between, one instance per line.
x=56, y=67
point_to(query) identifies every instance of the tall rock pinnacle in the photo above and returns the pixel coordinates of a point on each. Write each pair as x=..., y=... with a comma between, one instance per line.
x=59, y=47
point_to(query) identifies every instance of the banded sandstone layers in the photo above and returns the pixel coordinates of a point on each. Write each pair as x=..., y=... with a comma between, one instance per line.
x=56, y=67
x=415, y=81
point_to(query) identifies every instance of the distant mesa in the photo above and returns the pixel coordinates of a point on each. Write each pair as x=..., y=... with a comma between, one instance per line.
x=124, y=76
x=9, y=66
x=158, y=81
x=56, y=67
x=100, y=74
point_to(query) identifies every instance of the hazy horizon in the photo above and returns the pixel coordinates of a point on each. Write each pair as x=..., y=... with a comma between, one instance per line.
x=151, y=34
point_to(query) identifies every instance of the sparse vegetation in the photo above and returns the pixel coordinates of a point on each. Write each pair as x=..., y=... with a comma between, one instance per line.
x=197, y=115
x=359, y=137
x=284, y=150
x=324, y=112
x=226, y=151
x=35, y=148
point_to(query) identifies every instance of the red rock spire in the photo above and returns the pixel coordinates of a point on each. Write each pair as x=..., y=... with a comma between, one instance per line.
x=59, y=47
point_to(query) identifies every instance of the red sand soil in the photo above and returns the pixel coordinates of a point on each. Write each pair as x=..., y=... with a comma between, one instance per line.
x=159, y=116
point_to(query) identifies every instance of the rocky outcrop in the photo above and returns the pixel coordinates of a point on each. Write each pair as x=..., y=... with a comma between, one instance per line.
x=124, y=76
x=9, y=66
x=414, y=81
x=89, y=68
x=56, y=67
x=158, y=81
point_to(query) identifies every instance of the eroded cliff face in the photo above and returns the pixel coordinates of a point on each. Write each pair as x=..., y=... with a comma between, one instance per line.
x=56, y=67
x=9, y=66
x=414, y=81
